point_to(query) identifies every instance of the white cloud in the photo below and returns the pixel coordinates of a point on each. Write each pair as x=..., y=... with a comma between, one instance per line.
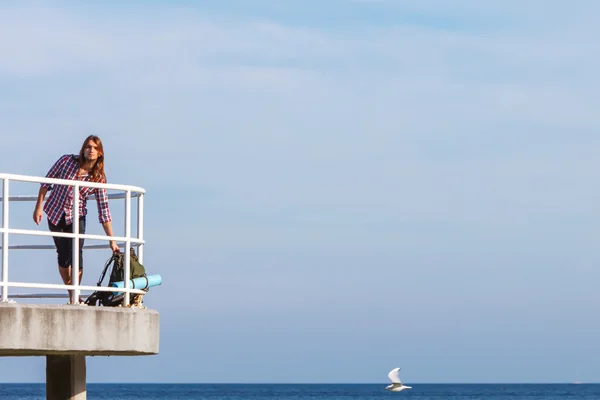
x=318, y=118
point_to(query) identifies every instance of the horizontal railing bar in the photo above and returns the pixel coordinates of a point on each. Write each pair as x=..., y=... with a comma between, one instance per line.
x=70, y=235
x=69, y=182
x=111, y=196
x=70, y=287
x=53, y=247
x=42, y=296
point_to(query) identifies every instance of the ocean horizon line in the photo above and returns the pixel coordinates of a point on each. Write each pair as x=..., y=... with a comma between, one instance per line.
x=312, y=383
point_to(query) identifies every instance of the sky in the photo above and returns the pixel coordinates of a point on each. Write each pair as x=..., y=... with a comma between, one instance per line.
x=334, y=188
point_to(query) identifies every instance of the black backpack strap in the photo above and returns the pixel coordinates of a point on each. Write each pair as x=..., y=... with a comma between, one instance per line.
x=106, y=268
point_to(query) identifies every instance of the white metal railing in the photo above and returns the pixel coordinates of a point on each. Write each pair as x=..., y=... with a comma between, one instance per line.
x=127, y=193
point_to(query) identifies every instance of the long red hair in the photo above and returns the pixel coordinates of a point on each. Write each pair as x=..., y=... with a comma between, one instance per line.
x=97, y=172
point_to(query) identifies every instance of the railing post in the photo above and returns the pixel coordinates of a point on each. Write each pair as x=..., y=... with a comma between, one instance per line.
x=5, y=201
x=127, y=245
x=140, y=221
x=75, y=258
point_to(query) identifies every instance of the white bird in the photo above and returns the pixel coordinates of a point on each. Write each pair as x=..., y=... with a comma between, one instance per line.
x=396, y=385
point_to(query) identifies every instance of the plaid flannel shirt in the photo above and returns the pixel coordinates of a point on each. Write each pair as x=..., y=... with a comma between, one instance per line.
x=61, y=196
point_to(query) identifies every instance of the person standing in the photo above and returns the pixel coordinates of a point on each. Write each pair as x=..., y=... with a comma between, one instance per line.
x=86, y=166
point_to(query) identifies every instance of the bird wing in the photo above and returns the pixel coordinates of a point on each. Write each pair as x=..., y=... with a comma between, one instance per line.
x=393, y=375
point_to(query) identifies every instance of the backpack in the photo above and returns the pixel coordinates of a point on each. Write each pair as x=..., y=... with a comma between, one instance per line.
x=117, y=274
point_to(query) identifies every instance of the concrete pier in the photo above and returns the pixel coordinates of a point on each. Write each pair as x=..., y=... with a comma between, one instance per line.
x=65, y=377
x=66, y=334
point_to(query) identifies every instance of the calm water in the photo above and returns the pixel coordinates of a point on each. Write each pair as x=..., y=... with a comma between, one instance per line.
x=321, y=392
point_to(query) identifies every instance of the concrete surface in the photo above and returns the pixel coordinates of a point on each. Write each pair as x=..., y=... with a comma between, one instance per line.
x=74, y=330
x=65, y=378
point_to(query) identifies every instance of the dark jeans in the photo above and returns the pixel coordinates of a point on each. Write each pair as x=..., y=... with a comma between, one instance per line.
x=64, y=246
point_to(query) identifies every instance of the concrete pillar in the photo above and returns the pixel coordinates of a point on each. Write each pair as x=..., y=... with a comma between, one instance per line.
x=65, y=377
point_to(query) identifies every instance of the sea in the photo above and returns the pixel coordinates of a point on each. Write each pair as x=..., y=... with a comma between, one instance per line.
x=314, y=391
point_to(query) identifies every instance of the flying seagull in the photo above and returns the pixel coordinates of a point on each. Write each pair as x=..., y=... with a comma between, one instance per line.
x=396, y=385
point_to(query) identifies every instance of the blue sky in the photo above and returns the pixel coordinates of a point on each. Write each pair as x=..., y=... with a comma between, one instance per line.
x=335, y=188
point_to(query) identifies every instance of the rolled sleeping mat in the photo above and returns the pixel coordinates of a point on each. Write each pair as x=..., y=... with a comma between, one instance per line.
x=143, y=282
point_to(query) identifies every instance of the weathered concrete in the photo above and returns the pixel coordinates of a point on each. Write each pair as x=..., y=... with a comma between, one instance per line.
x=65, y=378
x=42, y=330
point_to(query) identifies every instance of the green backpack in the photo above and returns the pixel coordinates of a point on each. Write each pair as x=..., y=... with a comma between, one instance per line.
x=117, y=274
